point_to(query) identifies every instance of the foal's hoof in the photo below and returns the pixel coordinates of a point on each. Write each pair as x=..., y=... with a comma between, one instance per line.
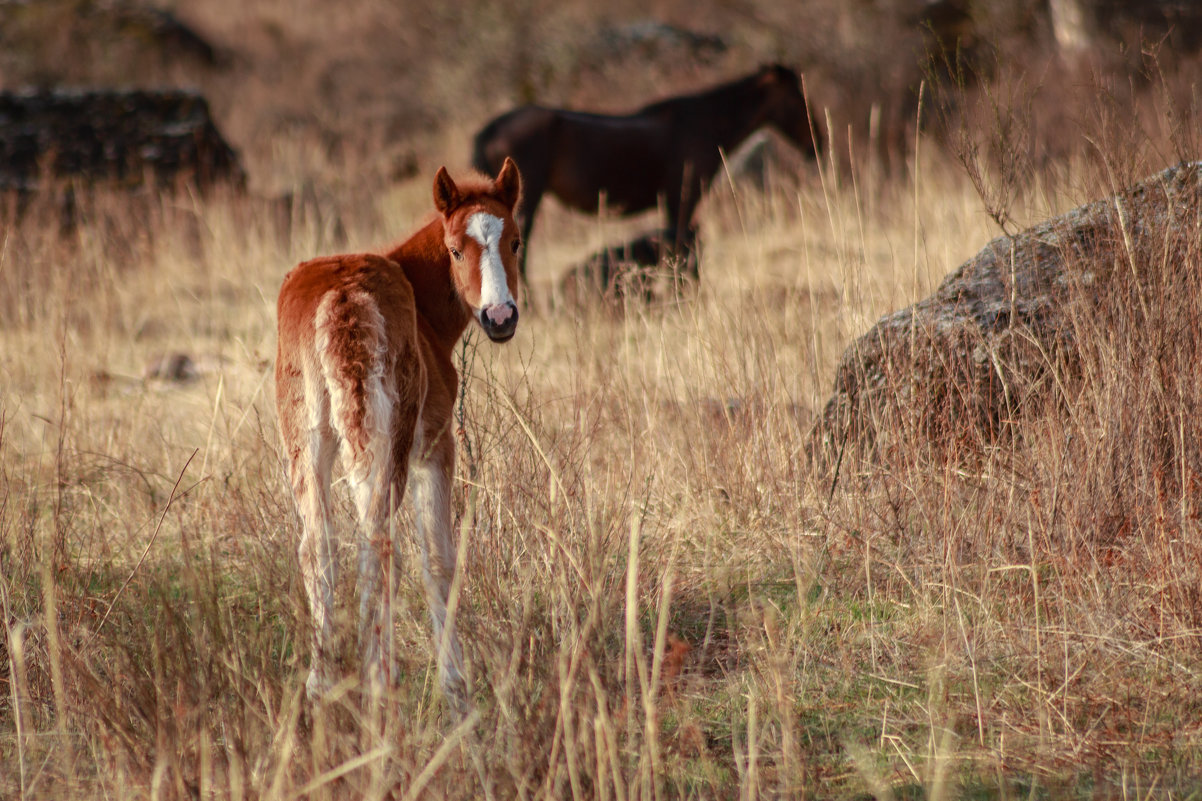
x=458, y=698
x=317, y=687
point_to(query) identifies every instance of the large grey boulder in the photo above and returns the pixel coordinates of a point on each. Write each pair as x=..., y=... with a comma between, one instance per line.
x=1008, y=329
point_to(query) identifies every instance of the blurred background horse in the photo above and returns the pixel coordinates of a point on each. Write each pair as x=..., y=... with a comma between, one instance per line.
x=666, y=152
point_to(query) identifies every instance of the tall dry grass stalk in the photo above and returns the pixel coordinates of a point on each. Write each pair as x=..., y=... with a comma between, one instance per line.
x=657, y=597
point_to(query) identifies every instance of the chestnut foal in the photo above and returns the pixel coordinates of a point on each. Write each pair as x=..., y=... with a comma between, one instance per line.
x=364, y=365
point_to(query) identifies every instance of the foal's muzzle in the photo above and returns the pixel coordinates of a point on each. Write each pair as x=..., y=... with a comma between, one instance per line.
x=499, y=321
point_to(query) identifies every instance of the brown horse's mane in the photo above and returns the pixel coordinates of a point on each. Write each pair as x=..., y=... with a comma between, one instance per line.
x=735, y=85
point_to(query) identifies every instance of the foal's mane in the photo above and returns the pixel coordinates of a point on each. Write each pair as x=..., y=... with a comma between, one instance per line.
x=472, y=187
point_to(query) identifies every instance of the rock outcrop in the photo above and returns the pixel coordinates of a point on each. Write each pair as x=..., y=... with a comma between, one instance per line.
x=642, y=269
x=1008, y=329
x=122, y=138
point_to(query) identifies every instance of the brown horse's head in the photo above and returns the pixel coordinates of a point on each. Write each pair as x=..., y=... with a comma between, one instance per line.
x=483, y=242
x=785, y=106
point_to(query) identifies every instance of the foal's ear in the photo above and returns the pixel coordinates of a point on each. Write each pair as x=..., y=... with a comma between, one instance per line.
x=509, y=184
x=446, y=194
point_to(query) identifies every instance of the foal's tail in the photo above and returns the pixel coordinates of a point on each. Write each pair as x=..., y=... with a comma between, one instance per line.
x=351, y=346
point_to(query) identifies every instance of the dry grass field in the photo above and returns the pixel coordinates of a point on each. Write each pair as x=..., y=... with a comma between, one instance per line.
x=660, y=595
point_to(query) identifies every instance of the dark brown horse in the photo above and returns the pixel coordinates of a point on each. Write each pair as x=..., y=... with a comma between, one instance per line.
x=668, y=150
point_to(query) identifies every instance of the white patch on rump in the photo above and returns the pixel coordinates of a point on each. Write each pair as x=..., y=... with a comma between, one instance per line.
x=486, y=229
x=365, y=442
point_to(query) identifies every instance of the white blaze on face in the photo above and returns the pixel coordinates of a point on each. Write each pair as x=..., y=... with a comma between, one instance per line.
x=486, y=229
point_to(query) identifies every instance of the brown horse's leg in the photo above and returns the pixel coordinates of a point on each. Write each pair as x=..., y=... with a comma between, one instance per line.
x=524, y=216
x=680, y=232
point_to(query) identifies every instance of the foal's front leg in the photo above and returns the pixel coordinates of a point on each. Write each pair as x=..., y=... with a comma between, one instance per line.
x=430, y=477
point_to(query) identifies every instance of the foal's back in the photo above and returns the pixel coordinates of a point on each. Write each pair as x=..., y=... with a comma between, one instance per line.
x=350, y=321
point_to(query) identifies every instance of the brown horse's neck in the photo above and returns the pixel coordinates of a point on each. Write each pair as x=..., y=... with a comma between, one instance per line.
x=427, y=264
x=746, y=113
x=742, y=104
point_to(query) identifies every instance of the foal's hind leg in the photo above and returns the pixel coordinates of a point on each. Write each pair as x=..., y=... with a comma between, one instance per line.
x=374, y=382
x=311, y=446
x=374, y=492
x=377, y=482
x=430, y=475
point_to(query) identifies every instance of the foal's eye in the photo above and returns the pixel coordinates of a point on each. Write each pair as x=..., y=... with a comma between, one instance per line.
x=458, y=256
x=515, y=244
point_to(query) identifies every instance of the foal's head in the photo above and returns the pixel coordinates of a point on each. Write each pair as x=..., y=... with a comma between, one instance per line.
x=483, y=240
x=784, y=105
